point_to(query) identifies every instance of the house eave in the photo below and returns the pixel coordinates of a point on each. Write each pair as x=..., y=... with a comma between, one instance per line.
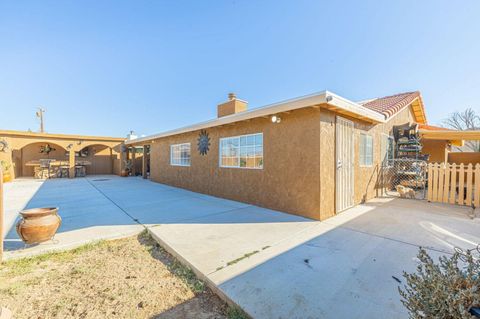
x=321, y=99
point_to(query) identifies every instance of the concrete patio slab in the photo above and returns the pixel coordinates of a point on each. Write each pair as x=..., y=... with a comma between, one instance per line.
x=102, y=207
x=272, y=264
x=230, y=235
x=344, y=267
x=86, y=214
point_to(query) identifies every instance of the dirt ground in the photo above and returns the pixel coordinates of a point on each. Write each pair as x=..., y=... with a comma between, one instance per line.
x=126, y=278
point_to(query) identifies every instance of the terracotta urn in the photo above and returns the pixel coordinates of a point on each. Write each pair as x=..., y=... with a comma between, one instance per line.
x=38, y=224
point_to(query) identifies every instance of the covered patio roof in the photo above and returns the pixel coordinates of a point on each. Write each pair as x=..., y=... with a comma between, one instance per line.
x=457, y=138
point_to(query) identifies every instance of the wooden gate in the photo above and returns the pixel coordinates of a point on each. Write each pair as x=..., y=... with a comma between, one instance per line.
x=454, y=184
x=344, y=186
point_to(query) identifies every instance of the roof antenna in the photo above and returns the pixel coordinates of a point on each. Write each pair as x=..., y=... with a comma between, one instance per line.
x=39, y=114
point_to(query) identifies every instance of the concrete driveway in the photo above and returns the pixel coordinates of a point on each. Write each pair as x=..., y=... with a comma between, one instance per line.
x=272, y=264
x=344, y=267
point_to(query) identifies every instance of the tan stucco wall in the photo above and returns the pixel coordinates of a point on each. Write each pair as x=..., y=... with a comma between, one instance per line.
x=464, y=157
x=101, y=158
x=436, y=149
x=20, y=149
x=288, y=182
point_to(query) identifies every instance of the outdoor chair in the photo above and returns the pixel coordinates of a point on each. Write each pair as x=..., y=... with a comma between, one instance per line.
x=80, y=171
x=44, y=169
x=63, y=171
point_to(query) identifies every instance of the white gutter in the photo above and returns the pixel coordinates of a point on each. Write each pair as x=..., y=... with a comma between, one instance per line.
x=324, y=97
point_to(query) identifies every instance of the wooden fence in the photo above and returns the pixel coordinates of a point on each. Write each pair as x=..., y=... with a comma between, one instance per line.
x=454, y=184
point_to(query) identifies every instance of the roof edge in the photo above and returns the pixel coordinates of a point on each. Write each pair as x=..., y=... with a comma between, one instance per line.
x=319, y=98
x=60, y=136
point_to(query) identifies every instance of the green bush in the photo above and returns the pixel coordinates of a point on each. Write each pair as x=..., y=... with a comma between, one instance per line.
x=443, y=290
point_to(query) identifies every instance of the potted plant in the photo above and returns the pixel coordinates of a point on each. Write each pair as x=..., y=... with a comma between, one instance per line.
x=5, y=166
x=128, y=168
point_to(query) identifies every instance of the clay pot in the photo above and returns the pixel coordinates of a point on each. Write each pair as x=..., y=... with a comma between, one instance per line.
x=124, y=173
x=38, y=224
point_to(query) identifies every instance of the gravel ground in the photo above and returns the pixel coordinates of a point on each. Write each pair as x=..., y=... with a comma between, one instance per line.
x=126, y=278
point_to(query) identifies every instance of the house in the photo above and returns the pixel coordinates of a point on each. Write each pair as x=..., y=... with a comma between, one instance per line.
x=313, y=156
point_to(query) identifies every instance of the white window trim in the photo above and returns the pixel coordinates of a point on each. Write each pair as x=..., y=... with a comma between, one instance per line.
x=171, y=154
x=238, y=136
x=385, y=163
x=360, y=155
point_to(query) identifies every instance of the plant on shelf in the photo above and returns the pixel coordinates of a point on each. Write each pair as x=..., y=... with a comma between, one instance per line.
x=6, y=171
x=448, y=289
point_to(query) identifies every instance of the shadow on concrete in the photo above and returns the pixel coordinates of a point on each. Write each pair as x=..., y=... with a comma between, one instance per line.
x=350, y=270
x=108, y=201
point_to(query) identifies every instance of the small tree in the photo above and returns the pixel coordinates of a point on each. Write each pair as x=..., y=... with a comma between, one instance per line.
x=447, y=290
x=464, y=121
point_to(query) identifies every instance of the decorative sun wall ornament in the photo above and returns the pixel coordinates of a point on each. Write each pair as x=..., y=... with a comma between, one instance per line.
x=46, y=149
x=203, y=142
x=3, y=146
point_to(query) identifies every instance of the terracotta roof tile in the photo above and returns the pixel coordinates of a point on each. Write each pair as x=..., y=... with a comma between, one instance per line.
x=389, y=105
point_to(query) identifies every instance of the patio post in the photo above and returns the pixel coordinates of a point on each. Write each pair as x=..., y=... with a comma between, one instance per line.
x=133, y=161
x=144, y=162
x=71, y=164
x=1, y=216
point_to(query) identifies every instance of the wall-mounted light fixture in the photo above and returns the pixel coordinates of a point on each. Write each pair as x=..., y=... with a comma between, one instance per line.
x=69, y=146
x=275, y=119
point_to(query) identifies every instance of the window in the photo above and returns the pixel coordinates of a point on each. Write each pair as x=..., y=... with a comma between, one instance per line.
x=180, y=154
x=388, y=150
x=366, y=150
x=245, y=151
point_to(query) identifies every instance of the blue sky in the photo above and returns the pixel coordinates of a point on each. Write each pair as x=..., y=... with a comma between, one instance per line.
x=107, y=67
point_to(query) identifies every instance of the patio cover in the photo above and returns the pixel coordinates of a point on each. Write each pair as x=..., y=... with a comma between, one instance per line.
x=457, y=138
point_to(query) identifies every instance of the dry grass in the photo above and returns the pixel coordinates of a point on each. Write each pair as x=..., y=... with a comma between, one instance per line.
x=127, y=278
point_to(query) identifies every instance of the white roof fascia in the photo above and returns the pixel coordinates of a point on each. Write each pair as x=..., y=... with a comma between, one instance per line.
x=353, y=107
x=324, y=97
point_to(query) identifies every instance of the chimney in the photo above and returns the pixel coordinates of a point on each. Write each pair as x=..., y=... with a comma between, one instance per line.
x=232, y=106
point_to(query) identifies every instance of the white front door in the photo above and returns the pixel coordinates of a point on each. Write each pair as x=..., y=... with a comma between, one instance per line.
x=344, y=188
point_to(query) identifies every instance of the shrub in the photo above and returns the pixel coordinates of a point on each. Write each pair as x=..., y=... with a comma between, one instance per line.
x=446, y=290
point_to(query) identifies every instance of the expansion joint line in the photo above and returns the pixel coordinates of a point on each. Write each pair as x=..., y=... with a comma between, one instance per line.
x=113, y=202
